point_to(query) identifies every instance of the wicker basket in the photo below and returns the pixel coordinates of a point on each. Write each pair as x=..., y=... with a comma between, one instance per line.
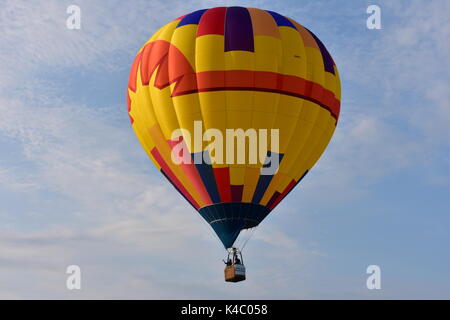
x=234, y=273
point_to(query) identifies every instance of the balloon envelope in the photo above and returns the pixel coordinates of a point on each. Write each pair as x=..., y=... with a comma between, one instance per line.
x=231, y=68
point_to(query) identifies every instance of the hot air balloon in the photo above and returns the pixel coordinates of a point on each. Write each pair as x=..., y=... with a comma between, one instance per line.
x=233, y=68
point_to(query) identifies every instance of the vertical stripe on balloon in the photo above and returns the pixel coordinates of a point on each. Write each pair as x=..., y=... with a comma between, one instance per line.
x=223, y=183
x=280, y=20
x=264, y=180
x=274, y=197
x=261, y=187
x=191, y=18
x=236, y=193
x=327, y=59
x=207, y=174
x=212, y=22
x=263, y=24
x=238, y=30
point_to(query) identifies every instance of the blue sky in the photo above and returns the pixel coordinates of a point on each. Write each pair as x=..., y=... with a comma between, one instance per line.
x=76, y=187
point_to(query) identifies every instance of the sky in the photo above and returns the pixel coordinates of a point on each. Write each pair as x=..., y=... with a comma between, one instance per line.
x=76, y=188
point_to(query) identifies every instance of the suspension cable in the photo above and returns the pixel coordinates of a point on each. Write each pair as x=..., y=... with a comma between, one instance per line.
x=251, y=234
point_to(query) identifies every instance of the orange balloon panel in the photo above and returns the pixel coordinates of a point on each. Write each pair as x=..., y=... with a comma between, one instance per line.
x=234, y=68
